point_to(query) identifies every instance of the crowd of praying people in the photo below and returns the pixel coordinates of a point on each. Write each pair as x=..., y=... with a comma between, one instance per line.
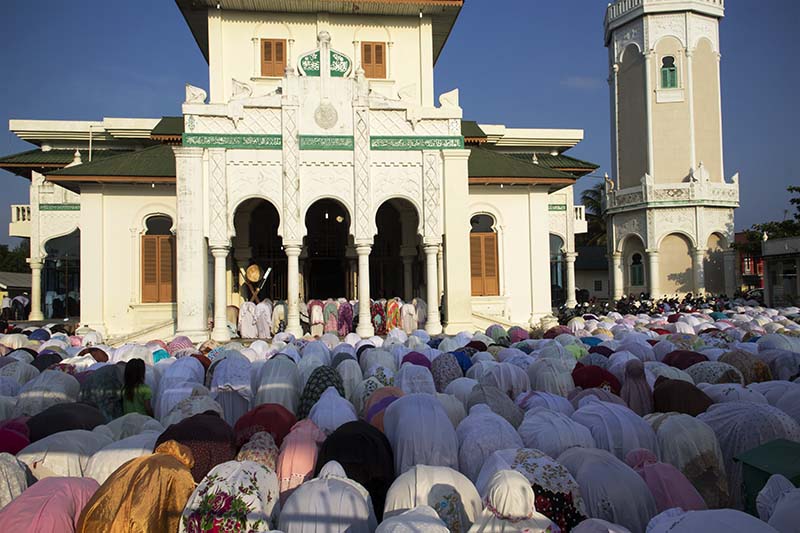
x=318, y=317
x=605, y=424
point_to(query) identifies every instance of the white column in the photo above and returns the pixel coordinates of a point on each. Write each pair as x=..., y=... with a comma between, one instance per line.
x=364, y=328
x=729, y=259
x=539, y=255
x=648, y=84
x=698, y=268
x=293, y=290
x=434, y=325
x=92, y=270
x=36, y=289
x=440, y=279
x=458, y=290
x=690, y=99
x=191, y=253
x=571, y=300
x=653, y=273
x=220, y=332
x=617, y=272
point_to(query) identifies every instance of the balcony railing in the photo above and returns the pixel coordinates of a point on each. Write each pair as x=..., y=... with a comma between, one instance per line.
x=687, y=193
x=621, y=8
x=20, y=225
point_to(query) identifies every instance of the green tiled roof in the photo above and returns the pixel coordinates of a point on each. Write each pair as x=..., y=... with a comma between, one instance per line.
x=556, y=161
x=168, y=127
x=470, y=129
x=52, y=157
x=155, y=161
x=489, y=164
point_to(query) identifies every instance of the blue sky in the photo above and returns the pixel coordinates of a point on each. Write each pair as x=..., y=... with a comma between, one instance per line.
x=524, y=63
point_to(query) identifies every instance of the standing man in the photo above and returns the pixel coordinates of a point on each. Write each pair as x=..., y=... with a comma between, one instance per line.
x=5, y=308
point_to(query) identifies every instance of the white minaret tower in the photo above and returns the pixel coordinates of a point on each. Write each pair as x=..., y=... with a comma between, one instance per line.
x=669, y=208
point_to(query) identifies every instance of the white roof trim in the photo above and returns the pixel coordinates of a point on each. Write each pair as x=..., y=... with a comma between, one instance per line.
x=78, y=130
x=500, y=135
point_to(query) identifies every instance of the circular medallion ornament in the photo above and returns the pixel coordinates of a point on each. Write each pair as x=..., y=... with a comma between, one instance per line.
x=326, y=116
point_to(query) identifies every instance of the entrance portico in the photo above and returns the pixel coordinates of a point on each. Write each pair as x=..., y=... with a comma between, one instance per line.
x=346, y=170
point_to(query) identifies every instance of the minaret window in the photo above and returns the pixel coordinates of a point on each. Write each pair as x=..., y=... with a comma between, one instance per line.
x=669, y=73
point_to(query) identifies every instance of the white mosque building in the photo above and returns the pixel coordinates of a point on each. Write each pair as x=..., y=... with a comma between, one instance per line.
x=319, y=151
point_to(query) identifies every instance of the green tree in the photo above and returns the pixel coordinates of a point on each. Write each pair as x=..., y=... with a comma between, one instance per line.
x=592, y=200
x=13, y=260
x=775, y=229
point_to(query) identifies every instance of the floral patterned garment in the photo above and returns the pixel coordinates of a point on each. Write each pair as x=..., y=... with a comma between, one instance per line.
x=234, y=497
x=260, y=449
x=558, y=495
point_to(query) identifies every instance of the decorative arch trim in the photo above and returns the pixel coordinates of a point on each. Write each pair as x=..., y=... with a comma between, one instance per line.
x=621, y=241
x=690, y=238
x=347, y=207
x=394, y=196
x=233, y=207
x=154, y=210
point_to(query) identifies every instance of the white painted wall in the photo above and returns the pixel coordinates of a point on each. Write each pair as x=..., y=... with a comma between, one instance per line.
x=234, y=53
x=112, y=222
x=517, y=230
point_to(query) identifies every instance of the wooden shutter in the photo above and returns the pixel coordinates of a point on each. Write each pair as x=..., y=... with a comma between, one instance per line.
x=476, y=263
x=484, y=268
x=273, y=57
x=150, y=268
x=166, y=268
x=373, y=60
x=491, y=277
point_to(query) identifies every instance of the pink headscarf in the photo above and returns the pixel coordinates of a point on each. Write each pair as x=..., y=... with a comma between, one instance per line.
x=51, y=504
x=635, y=390
x=179, y=343
x=298, y=456
x=669, y=486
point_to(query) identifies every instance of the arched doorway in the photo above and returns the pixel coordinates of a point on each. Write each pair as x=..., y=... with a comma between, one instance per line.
x=257, y=243
x=324, y=262
x=394, y=261
x=634, y=259
x=61, y=276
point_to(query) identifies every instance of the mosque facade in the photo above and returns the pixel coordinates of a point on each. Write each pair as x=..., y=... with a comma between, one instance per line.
x=319, y=153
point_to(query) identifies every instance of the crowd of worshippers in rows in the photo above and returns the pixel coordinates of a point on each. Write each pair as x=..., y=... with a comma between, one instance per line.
x=319, y=317
x=605, y=424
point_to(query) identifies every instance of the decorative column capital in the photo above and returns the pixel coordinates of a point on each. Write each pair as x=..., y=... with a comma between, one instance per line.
x=35, y=262
x=363, y=248
x=292, y=250
x=186, y=152
x=651, y=251
x=431, y=248
x=616, y=256
x=220, y=250
x=570, y=256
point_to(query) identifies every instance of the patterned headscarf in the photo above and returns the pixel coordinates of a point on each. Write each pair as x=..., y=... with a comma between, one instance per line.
x=445, y=369
x=322, y=378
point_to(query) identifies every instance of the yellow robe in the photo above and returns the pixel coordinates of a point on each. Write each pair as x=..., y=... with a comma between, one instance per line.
x=145, y=495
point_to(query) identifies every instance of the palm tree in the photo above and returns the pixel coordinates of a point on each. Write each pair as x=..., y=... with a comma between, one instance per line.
x=591, y=199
